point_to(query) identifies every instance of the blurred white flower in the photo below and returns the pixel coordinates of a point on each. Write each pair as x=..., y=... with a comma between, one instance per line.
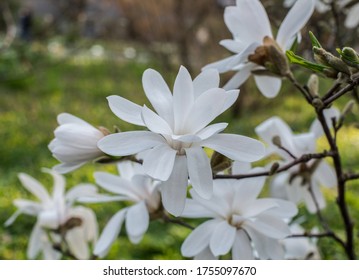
x=134, y=186
x=300, y=248
x=178, y=132
x=301, y=182
x=56, y=214
x=320, y=5
x=75, y=143
x=352, y=19
x=247, y=226
x=249, y=24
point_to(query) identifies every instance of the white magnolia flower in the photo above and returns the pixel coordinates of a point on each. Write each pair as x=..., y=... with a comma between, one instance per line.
x=300, y=248
x=240, y=222
x=178, y=132
x=57, y=212
x=249, y=24
x=301, y=182
x=352, y=19
x=134, y=186
x=75, y=143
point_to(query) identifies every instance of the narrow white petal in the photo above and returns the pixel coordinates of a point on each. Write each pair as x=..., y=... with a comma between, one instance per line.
x=236, y=147
x=325, y=175
x=206, y=80
x=34, y=186
x=295, y=20
x=205, y=109
x=101, y=199
x=129, y=143
x=199, y=238
x=116, y=184
x=258, y=206
x=234, y=46
x=285, y=209
x=248, y=21
x=35, y=242
x=78, y=246
x=154, y=122
x=240, y=77
x=174, y=190
x=268, y=86
x=64, y=118
x=206, y=254
x=211, y=130
x=232, y=96
x=200, y=172
x=125, y=109
x=193, y=209
x=158, y=94
x=80, y=190
x=269, y=226
x=137, y=219
x=239, y=167
x=12, y=218
x=242, y=249
x=352, y=19
x=109, y=233
x=183, y=98
x=312, y=205
x=158, y=162
x=222, y=238
x=222, y=65
x=59, y=184
x=64, y=168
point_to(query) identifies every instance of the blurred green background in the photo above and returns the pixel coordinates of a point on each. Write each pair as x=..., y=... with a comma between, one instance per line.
x=64, y=70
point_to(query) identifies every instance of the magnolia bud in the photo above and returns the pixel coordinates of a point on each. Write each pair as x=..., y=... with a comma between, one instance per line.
x=277, y=141
x=317, y=103
x=313, y=85
x=350, y=57
x=326, y=58
x=274, y=168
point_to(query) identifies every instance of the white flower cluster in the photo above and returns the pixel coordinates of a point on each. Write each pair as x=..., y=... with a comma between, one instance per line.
x=171, y=154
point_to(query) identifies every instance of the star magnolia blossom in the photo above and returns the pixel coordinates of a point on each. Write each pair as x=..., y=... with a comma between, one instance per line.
x=75, y=143
x=178, y=131
x=55, y=212
x=134, y=186
x=247, y=226
x=249, y=24
x=300, y=248
x=296, y=183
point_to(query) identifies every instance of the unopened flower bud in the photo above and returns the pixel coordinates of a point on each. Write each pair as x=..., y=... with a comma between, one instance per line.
x=326, y=58
x=274, y=168
x=350, y=57
x=313, y=85
x=317, y=103
x=277, y=141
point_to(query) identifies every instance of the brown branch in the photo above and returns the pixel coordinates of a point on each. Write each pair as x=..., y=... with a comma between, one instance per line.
x=302, y=159
x=352, y=84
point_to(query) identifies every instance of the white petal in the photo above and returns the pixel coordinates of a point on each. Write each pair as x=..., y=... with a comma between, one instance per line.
x=295, y=20
x=80, y=190
x=206, y=80
x=154, y=122
x=234, y=46
x=198, y=239
x=242, y=249
x=232, y=96
x=193, y=209
x=206, y=254
x=305, y=143
x=109, y=233
x=352, y=19
x=223, y=65
x=318, y=196
x=205, y=109
x=116, y=184
x=35, y=242
x=125, y=109
x=158, y=94
x=137, y=219
x=89, y=224
x=77, y=243
x=64, y=168
x=268, y=86
x=129, y=143
x=101, y=199
x=329, y=114
x=34, y=186
x=240, y=77
x=239, y=167
x=200, y=172
x=174, y=190
x=236, y=147
x=12, y=218
x=222, y=238
x=269, y=226
x=183, y=98
x=158, y=162
x=211, y=130
x=258, y=206
x=59, y=184
x=325, y=175
x=285, y=209
x=64, y=118
x=248, y=21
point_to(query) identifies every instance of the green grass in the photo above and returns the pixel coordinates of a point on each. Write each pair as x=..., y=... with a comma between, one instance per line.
x=80, y=86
